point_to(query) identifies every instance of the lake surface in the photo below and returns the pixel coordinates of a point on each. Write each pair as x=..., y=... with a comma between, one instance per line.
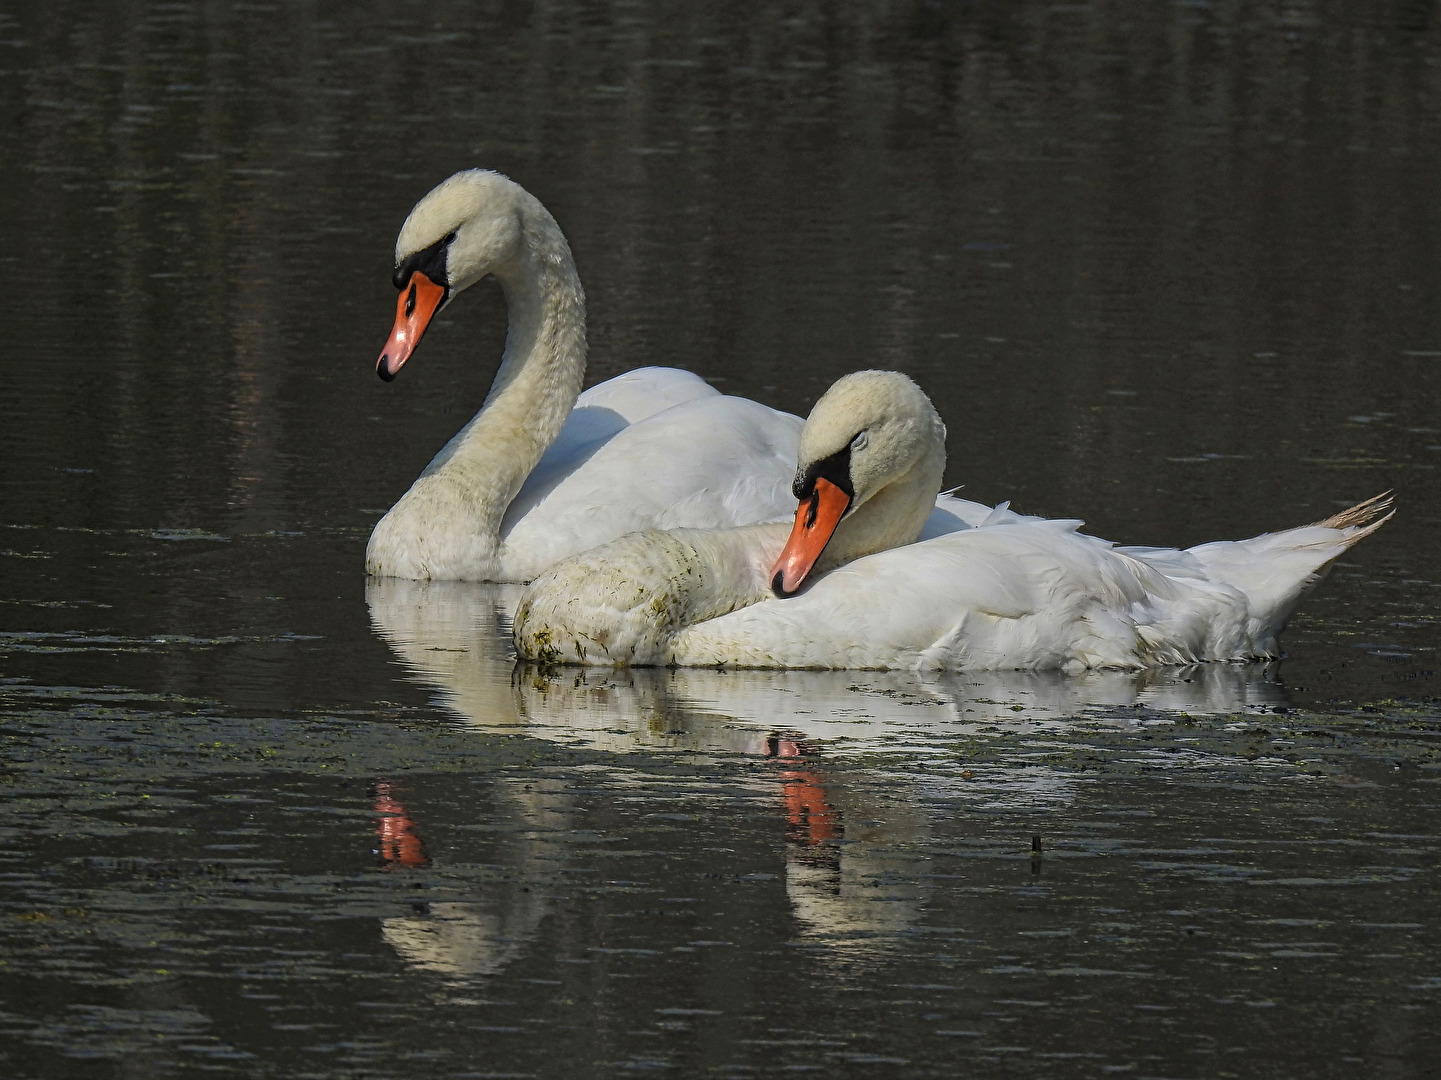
x=1174, y=269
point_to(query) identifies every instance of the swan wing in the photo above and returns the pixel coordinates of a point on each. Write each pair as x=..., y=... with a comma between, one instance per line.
x=952, y=515
x=605, y=410
x=646, y=391
x=710, y=462
x=1020, y=594
x=1027, y=593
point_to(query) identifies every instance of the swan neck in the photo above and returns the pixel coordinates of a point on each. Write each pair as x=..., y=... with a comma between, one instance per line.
x=892, y=517
x=540, y=374
x=627, y=601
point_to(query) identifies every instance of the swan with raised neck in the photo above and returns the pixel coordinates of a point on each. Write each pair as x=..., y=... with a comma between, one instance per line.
x=479, y=223
x=467, y=516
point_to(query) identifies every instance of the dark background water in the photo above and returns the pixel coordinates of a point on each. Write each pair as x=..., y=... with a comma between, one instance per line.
x=1173, y=268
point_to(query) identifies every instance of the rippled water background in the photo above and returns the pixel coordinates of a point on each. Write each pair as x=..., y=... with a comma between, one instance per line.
x=1173, y=268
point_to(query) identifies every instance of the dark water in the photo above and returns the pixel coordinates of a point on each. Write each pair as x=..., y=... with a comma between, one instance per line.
x=1173, y=268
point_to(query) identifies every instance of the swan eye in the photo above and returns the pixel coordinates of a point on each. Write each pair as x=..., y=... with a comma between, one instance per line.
x=859, y=442
x=449, y=239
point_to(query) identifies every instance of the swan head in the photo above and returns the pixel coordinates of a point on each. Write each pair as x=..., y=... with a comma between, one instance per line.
x=469, y=226
x=872, y=440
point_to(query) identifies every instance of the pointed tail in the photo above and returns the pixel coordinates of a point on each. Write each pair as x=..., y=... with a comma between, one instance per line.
x=1275, y=570
x=1361, y=520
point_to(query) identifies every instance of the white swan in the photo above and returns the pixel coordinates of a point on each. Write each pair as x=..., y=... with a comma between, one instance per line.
x=539, y=474
x=983, y=590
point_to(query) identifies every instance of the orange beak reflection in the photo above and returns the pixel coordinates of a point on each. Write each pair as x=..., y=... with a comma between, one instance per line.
x=418, y=303
x=400, y=844
x=816, y=520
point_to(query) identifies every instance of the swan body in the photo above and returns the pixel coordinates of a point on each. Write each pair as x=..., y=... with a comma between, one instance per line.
x=543, y=471
x=906, y=580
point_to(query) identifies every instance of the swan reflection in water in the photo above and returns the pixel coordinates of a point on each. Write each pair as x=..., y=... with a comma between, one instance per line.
x=462, y=940
x=454, y=636
x=849, y=875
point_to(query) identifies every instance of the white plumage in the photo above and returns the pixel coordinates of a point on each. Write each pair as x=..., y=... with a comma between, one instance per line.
x=539, y=473
x=982, y=589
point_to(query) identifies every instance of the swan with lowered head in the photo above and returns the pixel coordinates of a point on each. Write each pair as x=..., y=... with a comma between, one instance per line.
x=543, y=471
x=983, y=589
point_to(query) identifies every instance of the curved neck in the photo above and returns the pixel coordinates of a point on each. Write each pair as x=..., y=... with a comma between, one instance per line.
x=892, y=517
x=539, y=379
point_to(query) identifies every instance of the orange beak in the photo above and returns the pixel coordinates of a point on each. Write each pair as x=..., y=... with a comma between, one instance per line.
x=816, y=520
x=418, y=303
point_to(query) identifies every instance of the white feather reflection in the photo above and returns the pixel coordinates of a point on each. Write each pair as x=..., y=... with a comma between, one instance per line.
x=454, y=636
x=462, y=940
x=850, y=874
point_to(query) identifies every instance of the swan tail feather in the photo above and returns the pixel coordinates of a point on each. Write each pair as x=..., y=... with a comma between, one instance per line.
x=1362, y=519
x=1275, y=570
